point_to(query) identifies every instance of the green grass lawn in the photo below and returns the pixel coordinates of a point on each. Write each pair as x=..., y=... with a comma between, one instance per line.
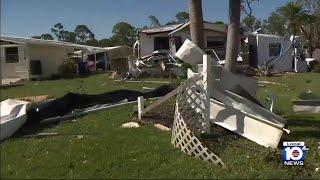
x=108, y=151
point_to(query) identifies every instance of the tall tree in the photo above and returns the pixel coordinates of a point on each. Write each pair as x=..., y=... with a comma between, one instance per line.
x=275, y=24
x=196, y=22
x=154, y=21
x=105, y=43
x=45, y=36
x=249, y=20
x=294, y=14
x=311, y=24
x=92, y=42
x=70, y=36
x=58, y=31
x=233, y=34
x=36, y=37
x=83, y=34
x=123, y=34
x=182, y=17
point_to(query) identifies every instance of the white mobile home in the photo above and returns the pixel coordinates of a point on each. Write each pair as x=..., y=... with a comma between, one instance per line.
x=18, y=54
x=171, y=37
x=265, y=48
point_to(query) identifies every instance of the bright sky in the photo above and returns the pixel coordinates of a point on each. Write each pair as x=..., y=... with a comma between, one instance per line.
x=27, y=18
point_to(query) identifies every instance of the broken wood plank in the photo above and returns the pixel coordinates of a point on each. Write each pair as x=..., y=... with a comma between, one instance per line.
x=160, y=101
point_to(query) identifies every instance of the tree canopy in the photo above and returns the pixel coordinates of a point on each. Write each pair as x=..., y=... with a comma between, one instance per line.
x=154, y=21
x=45, y=36
x=83, y=34
x=123, y=34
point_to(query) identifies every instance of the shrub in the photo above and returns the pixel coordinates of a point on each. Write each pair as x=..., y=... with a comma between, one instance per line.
x=68, y=69
x=184, y=69
x=315, y=66
x=262, y=70
x=306, y=95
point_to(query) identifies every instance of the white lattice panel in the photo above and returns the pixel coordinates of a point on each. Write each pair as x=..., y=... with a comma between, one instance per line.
x=190, y=119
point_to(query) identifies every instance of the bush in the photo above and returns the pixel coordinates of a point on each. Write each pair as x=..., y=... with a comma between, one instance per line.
x=307, y=95
x=184, y=69
x=68, y=69
x=260, y=71
x=315, y=66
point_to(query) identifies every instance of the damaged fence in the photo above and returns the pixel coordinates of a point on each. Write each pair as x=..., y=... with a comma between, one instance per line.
x=225, y=99
x=191, y=119
x=192, y=116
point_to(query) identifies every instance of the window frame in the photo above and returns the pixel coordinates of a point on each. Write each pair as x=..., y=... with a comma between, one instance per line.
x=8, y=56
x=272, y=47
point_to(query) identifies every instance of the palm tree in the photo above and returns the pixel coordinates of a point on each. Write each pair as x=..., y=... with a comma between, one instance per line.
x=233, y=35
x=196, y=22
x=295, y=14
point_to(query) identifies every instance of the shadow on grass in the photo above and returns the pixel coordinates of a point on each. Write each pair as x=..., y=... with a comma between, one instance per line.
x=304, y=123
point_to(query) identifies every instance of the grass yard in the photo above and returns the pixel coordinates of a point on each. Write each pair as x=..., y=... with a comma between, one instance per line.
x=108, y=151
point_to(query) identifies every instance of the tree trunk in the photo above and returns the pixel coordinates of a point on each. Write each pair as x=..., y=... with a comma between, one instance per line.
x=196, y=23
x=233, y=35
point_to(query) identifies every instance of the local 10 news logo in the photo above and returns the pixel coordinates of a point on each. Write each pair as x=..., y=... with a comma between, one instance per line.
x=294, y=153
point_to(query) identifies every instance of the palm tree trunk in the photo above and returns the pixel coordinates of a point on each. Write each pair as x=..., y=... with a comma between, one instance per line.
x=196, y=23
x=233, y=35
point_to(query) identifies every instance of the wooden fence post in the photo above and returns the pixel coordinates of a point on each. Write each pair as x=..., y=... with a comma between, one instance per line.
x=140, y=107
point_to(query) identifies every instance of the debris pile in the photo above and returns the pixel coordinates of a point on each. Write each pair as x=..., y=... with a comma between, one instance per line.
x=158, y=64
x=223, y=98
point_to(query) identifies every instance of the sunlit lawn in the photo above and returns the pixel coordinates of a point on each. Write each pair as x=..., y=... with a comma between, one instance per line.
x=109, y=151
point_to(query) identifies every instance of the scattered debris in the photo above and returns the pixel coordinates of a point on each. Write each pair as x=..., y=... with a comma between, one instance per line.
x=306, y=106
x=40, y=135
x=11, y=82
x=268, y=82
x=130, y=125
x=233, y=102
x=148, y=88
x=162, y=127
x=79, y=136
x=115, y=75
x=35, y=99
x=133, y=81
x=13, y=116
x=53, y=134
x=159, y=63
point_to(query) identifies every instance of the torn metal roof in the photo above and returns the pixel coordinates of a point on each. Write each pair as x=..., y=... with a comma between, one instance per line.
x=161, y=29
x=178, y=27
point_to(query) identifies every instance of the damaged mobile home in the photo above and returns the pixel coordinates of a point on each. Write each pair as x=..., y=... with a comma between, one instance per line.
x=171, y=38
x=279, y=52
x=29, y=58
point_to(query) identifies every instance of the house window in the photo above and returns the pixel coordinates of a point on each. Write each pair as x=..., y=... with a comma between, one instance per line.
x=12, y=55
x=215, y=42
x=274, y=49
x=161, y=43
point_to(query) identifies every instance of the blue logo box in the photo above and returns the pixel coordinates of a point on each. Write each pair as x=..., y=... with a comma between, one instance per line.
x=293, y=153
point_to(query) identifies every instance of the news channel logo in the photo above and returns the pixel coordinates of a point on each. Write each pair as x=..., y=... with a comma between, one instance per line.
x=294, y=153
